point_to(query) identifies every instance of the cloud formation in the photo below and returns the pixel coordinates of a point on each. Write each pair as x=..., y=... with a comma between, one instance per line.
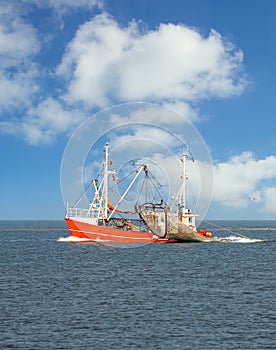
x=66, y=5
x=239, y=183
x=269, y=200
x=18, y=70
x=106, y=63
x=244, y=177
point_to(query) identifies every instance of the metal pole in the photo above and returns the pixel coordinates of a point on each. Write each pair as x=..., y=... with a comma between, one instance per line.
x=127, y=190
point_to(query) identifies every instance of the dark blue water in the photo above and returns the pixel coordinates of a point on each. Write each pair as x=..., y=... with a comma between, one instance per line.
x=58, y=295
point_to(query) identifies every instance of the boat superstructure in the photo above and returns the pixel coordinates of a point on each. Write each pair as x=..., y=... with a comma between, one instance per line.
x=146, y=223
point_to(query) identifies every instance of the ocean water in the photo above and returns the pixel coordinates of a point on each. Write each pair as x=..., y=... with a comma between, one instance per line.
x=59, y=295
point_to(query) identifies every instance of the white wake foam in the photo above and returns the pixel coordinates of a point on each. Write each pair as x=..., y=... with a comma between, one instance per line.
x=73, y=239
x=230, y=239
x=235, y=239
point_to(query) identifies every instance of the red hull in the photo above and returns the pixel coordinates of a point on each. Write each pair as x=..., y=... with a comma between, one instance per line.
x=108, y=234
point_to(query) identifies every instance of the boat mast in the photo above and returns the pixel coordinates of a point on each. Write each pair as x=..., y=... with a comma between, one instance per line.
x=107, y=172
x=182, y=196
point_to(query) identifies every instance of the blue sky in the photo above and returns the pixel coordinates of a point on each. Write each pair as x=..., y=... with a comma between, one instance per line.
x=212, y=61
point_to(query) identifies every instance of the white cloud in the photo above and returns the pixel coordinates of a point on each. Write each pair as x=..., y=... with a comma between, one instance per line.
x=106, y=63
x=154, y=114
x=44, y=122
x=144, y=139
x=175, y=62
x=61, y=8
x=18, y=46
x=270, y=200
x=65, y=5
x=185, y=109
x=241, y=178
x=50, y=118
x=242, y=182
x=21, y=77
x=17, y=39
x=96, y=47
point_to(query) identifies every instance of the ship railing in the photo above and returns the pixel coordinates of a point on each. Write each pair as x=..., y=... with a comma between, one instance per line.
x=83, y=213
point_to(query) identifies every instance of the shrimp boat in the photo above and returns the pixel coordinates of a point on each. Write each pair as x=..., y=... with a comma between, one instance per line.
x=147, y=223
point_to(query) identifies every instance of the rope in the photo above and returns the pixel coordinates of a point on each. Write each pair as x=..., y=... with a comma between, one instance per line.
x=80, y=197
x=226, y=229
x=151, y=178
x=121, y=180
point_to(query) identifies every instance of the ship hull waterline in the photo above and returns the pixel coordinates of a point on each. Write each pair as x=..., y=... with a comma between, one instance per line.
x=105, y=234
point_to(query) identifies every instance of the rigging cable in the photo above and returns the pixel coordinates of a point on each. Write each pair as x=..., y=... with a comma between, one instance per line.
x=226, y=229
x=154, y=185
x=86, y=188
